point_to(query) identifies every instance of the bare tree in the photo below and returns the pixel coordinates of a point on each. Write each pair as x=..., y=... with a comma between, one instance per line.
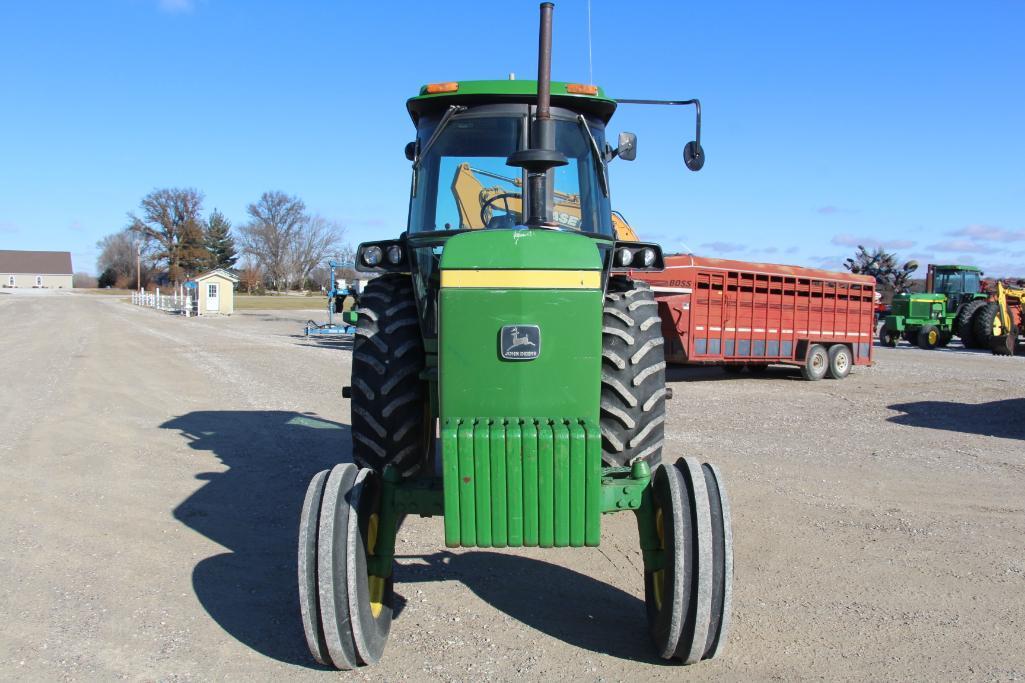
x=172, y=219
x=117, y=253
x=122, y=253
x=251, y=275
x=285, y=241
x=83, y=281
x=315, y=240
x=268, y=237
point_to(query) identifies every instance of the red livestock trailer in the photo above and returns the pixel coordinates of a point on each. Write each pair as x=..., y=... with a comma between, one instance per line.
x=739, y=314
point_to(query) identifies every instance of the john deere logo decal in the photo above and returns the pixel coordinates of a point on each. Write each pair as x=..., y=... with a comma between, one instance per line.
x=520, y=342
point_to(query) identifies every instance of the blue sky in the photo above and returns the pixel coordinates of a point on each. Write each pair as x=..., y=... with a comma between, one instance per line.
x=826, y=125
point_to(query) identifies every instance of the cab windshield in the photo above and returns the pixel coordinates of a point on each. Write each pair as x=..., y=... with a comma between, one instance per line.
x=958, y=282
x=463, y=182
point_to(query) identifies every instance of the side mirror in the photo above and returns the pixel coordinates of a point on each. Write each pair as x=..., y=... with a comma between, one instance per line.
x=627, y=150
x=411, y=150
x=694, y=156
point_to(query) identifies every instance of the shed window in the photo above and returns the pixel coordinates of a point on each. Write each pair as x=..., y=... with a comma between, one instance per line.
x=10, y=280
x=211, y=291
x=39, y=280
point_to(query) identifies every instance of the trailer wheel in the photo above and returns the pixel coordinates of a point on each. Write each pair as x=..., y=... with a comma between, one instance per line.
x=840, y=361
x=389, y=401
x=887, y=337
x=928, y=337
x=964, y=323
x=633, y=375
x=688, y=596
x=346, y=613
x=987, y=325
x=816, y=364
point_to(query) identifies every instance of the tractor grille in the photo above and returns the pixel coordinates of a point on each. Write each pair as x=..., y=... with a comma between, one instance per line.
x=521, y=482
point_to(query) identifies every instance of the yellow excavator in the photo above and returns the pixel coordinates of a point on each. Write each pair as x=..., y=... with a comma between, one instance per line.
x=1008, y=319
x=477, y=203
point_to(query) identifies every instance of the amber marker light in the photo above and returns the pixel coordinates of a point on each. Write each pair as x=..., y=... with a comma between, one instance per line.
x=434, y=88
x=581, y=89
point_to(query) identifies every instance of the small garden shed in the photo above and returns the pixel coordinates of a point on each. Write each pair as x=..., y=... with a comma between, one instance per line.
x=216, y=292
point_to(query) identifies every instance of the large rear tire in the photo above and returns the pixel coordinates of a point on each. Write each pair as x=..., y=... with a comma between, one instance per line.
x=965, y=321
x=888, y=338
x=633, y=375
x=389, y=399
x=983, y=328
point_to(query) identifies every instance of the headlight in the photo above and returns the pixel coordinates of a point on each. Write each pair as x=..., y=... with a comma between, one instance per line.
x=395, y=254
x=648, y=257
x=372, y=255
x=624, y=257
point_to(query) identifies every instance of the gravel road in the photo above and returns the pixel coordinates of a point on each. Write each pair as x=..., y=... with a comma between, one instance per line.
x=153, y=469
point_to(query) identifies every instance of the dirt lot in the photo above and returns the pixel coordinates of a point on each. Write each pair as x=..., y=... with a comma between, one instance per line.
x=153, y=469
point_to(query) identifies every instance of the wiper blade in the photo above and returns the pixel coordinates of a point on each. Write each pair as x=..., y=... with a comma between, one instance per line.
x=449, y=113
x=595, y=155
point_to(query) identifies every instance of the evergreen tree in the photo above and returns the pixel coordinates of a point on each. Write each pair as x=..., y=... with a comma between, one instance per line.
x=108, y=278
x=219, y=242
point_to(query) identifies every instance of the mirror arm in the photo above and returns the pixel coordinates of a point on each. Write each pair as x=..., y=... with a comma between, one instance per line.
x=697, y=107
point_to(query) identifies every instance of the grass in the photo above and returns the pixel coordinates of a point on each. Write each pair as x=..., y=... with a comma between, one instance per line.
x=104, y=292
x=246, y=302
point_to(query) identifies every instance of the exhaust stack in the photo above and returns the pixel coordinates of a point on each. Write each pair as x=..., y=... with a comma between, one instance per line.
x=541, y=154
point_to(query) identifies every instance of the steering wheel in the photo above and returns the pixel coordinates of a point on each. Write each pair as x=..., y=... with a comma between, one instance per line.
x=485, y=206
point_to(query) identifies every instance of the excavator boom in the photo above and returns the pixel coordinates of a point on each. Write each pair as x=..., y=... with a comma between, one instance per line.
x=477, y=204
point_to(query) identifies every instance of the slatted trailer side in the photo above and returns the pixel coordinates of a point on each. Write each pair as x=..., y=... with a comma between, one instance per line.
x=735, y=313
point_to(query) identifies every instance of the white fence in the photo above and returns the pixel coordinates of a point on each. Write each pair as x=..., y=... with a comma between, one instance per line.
x=180, y=302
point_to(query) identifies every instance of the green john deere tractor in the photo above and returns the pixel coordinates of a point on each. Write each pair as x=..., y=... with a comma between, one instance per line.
x=953, y=304
x=511, y=379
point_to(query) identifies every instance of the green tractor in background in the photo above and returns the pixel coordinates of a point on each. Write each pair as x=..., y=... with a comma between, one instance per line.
x=954, y=303
x=512, y=378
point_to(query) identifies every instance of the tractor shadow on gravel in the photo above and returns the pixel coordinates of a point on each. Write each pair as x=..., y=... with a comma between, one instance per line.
x=550, y=598
x=252, y=509
x=996, y=418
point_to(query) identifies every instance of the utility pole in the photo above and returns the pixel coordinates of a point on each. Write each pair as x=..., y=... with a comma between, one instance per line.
x=138, y=266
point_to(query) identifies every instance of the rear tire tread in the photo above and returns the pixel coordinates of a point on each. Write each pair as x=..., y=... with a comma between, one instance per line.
x=388, y=357
x=633, y=376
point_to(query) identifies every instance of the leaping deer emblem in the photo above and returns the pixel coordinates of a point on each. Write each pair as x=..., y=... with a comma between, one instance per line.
x=519, y=339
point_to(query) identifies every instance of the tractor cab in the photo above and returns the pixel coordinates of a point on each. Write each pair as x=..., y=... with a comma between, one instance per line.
x=465, y=136
x=957, y=283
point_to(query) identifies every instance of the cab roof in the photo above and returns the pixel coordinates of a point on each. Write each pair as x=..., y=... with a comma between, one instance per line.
x=974, y=269
x=517, y=92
